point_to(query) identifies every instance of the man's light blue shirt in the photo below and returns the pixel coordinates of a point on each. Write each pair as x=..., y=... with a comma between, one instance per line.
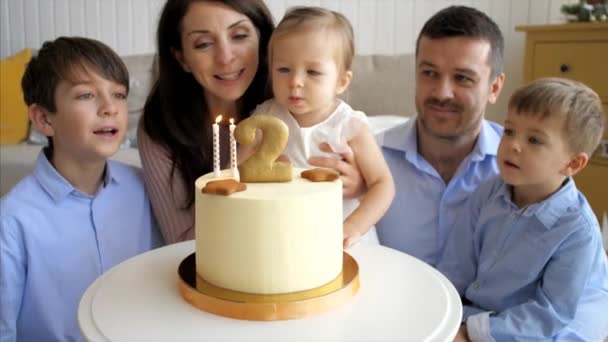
x=425, y=207
x=535, y=273
x=55, y=241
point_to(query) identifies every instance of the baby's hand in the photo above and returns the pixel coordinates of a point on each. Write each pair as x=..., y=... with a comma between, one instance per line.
x=351, y=236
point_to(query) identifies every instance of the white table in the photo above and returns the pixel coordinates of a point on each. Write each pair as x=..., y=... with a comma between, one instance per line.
x=400, y=299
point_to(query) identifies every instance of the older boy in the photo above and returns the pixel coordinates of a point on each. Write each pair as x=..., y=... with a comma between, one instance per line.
x=526, y=254
x=78, y=214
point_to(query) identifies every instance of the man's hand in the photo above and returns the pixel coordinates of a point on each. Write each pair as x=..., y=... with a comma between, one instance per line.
x=353, y=184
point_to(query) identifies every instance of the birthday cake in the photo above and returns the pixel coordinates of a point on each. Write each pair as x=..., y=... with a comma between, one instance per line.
x=271, y=238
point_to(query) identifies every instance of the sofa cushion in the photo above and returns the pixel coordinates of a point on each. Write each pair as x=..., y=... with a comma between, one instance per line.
x=383, y=85
x=18, y=161
x=141, y=78
x=13, y=111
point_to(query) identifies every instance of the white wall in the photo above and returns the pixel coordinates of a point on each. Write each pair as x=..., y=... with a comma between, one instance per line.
x=381, y=26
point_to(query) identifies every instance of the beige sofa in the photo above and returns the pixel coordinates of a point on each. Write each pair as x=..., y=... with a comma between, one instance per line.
x=382, y=87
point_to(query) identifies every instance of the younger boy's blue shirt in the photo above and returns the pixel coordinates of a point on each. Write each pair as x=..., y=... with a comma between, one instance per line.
x=537, y=273
x=55, y=241
x=425, y=207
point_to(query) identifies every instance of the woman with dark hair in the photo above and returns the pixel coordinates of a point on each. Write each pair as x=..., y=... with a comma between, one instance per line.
x=212, y=61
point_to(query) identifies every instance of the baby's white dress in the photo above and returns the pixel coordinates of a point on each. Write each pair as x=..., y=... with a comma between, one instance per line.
x=339, y=127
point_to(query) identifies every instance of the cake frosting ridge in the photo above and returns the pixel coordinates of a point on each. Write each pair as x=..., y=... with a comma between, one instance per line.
x=271, y=238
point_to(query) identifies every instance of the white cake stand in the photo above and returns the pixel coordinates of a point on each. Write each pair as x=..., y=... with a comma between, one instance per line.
x=400, y=298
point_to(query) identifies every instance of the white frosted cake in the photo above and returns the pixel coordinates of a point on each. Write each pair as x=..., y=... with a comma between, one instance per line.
x=271, y=238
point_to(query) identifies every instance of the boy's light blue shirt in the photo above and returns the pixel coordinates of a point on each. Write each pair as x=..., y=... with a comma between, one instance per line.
x=425, y=208
x=536, y=273
x=55, y=241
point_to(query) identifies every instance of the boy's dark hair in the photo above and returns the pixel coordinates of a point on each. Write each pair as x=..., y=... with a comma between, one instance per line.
x=67, y=59
x=462, y=21
x=579, y=104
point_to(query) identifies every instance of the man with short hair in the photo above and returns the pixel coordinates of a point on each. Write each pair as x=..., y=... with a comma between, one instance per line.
x=439, y=157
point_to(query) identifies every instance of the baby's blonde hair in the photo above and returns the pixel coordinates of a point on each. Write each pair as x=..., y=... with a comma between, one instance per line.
x=304, y=18
x=573, y=100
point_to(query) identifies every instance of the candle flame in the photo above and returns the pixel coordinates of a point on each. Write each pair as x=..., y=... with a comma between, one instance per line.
x=232, y=121
x=218, y=119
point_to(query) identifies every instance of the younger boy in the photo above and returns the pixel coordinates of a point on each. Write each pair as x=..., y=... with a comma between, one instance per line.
x=526, y=256
x=78, y=214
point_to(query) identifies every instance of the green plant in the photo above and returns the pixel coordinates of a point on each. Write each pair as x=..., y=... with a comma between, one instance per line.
x=586, y=10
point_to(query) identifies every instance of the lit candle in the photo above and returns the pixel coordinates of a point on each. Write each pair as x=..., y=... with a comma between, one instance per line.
x=216, y=146
x=233, y=166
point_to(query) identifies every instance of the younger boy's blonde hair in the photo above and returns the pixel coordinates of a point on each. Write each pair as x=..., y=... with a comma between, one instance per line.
x=578, y=103
x=309, y=18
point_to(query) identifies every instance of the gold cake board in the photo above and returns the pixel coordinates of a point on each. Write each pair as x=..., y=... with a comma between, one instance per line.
x=205, y=296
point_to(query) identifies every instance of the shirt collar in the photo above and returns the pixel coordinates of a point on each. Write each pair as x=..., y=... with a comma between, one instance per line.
x=111, y=175
x=55, y=184
x=551, y=209
x=404, y=138
x=487, y=142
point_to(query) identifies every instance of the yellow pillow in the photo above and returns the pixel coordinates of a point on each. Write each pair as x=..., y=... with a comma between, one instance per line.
x=13, y=111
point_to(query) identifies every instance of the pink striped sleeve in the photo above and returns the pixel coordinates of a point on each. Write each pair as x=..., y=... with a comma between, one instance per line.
x=167, y=193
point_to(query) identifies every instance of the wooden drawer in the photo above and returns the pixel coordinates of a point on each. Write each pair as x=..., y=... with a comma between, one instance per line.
x=577, y=51
x=606, y=121
x=586, y=62
x=592, y=181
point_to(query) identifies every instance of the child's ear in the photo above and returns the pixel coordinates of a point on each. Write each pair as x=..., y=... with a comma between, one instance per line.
x=344, y=81
x=577, y=163
x=179, y=56
x=41, y=119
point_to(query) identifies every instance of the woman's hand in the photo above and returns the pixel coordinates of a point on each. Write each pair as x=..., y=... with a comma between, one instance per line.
x=353, y=184
x=351, y=235
x=462, y=335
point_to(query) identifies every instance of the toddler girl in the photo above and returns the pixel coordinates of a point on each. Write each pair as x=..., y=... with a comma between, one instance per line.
x=310, y=56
